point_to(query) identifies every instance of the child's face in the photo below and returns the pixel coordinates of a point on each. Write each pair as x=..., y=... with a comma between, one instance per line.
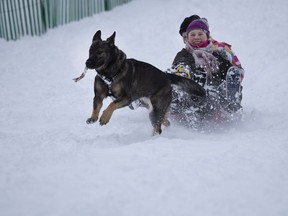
x=197, y=37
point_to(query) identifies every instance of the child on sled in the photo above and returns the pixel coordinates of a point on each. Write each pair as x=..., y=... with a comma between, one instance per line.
x=210, y=63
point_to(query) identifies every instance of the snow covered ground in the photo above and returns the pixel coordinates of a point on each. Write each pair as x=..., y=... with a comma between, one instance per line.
x=53, y=163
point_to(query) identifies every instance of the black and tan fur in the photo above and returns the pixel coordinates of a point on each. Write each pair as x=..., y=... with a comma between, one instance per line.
x=126, y=80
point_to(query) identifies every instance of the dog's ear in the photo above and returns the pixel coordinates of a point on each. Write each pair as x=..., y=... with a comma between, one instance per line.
x=97, y=36
x=111, y=39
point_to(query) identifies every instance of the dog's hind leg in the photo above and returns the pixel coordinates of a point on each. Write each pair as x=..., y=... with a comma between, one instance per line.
x=157, y=123
x=160, y=104
x=157, y=120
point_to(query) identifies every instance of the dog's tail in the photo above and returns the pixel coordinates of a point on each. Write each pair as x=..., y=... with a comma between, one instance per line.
x=187, y=85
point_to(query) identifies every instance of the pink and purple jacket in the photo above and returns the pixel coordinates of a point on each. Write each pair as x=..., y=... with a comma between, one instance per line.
x=226, y=52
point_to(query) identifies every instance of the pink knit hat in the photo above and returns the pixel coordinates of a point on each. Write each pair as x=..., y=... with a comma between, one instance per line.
x=199, y=24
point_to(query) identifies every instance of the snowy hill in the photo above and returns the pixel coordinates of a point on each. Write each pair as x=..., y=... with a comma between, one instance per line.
x=53, y=163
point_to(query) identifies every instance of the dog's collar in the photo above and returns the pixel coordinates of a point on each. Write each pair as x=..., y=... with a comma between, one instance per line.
x=109, y=80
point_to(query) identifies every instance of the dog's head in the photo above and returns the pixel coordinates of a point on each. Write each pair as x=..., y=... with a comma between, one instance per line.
x=101, y=52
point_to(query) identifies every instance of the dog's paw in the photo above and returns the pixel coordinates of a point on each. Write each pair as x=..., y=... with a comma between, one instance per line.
x=166, y=122
x=104, y=119
x=91, y=120
x=157, y=130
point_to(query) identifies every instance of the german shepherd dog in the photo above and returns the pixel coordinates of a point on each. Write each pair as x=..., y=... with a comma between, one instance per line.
x=126, y=80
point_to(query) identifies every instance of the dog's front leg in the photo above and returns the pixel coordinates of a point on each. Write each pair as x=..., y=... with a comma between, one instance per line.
x=107, y=113
x=95, y=113
x=100, y=92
